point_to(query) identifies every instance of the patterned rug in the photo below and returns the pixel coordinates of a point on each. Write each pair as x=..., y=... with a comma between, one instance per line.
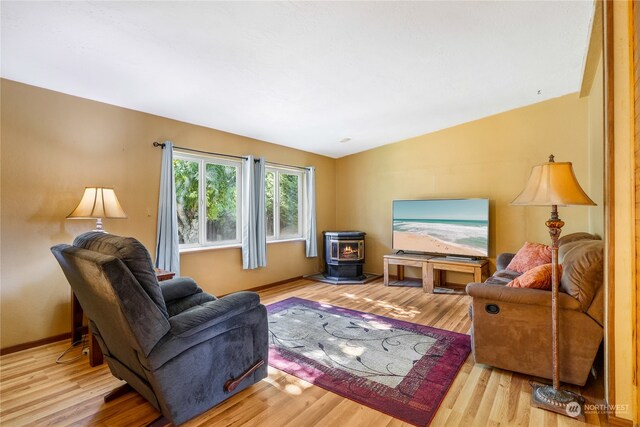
x=402, y=369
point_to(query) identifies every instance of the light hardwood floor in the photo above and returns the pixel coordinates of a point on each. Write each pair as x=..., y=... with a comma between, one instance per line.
x=34, y=390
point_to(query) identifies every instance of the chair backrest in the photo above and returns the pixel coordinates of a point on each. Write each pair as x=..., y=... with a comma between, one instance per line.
x=129, y=322
x=133, y=254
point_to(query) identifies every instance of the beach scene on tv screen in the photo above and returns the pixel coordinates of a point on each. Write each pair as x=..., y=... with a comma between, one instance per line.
x=456, y=227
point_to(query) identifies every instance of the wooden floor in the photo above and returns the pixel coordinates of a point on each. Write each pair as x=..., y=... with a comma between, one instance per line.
x=34, y=390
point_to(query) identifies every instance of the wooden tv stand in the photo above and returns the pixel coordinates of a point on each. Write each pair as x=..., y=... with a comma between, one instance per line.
x=434, y=267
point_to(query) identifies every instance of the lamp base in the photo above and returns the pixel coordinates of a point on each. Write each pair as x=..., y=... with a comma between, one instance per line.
x=99, y=228
x=563, y=402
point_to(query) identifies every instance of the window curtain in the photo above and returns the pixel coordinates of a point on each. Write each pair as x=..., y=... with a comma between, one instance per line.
x=167, y=249
x=311, y=241
x=254, y=240
x=261, y=226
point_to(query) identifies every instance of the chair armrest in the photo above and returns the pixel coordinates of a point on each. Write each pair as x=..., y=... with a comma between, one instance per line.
x=503, y=260
x=203, y=316
x=500, y=293
x=179, y=305
x=172, y=345
x=177, y=288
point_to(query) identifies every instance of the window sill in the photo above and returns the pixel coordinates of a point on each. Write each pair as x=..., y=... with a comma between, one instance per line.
x=293, y=239
x=235, y=245
x=210, y=248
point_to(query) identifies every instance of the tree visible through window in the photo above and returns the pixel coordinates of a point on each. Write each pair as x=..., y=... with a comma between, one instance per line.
x=270, y=195
x=283, y=189
x=221, y=202
x=207, y=200
x=187, y=177
x=208, y=204
x=289, y=204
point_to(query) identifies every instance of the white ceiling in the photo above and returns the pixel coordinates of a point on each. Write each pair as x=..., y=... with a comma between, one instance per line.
x=303, y=74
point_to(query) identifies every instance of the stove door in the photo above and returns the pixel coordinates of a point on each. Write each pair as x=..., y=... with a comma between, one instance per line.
x=347, y=250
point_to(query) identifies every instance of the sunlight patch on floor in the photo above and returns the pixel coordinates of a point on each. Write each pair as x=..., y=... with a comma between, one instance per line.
x=397, y=311
x=287, y=383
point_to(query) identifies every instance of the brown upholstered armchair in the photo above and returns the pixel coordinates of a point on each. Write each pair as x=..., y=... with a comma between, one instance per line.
x=511, y=327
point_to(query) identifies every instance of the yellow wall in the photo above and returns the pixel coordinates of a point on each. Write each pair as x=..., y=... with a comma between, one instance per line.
x=53, y=145
x=491, y=157
x=595, y=184
x=626, y=385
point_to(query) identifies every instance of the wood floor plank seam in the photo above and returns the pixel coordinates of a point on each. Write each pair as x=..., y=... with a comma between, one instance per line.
x=36, y=391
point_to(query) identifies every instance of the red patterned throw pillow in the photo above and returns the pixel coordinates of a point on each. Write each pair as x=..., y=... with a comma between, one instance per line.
x=529, y=256
x=537, y=278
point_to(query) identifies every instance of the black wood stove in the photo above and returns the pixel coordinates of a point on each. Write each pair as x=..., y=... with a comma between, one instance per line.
x=344, y=255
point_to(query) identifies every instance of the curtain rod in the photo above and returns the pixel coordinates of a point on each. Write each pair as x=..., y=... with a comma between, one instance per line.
x=161, y=145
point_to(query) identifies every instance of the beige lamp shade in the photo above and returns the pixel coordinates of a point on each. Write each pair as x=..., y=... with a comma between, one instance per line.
x=553, y=183
x=98, y=202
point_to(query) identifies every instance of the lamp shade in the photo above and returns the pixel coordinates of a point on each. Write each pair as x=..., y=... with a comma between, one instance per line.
x=553, y=183
x=98, y=202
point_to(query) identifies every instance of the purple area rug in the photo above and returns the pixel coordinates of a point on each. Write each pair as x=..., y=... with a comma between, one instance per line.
x=402, y=369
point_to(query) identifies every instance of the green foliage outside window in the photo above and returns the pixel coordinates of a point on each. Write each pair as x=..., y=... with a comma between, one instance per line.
x=221, y=194
x=221, y=202
x=220, y=186
x=288, y=204
x=282, y=191
x=186, y=178
x=270, y=187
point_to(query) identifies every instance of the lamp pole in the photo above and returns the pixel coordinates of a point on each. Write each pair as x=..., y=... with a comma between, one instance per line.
x=555, y=225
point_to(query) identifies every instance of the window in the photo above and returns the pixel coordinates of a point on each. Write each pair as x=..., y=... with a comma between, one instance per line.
x=208, y=200
x=283, y=204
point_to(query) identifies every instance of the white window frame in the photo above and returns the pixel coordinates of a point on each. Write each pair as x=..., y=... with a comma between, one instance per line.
x=277, y=170
x=203, y=161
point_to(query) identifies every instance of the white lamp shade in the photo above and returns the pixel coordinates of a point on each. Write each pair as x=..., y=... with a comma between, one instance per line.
x=553, y=183
x=98, y=202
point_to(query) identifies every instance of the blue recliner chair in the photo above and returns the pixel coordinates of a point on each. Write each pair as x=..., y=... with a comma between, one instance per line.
x=182, y=349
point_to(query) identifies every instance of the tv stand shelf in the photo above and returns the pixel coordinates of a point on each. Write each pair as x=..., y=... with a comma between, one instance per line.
x=433, y=268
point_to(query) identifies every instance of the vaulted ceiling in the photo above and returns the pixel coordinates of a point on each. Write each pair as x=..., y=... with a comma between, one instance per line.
x=307, y=75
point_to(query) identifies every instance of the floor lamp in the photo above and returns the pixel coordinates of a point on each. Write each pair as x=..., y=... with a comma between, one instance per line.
x=554, y=184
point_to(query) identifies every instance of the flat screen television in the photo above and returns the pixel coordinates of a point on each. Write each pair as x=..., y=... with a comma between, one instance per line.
x=457, y=227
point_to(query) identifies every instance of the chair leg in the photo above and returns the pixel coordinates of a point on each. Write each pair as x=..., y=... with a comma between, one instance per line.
x=117, y=392
x=95, y=353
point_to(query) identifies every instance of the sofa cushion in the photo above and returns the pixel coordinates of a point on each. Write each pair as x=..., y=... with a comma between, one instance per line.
x=537, y=278
x=530, y=255
x=133, y=254
x=582, y=276
x=502, y=277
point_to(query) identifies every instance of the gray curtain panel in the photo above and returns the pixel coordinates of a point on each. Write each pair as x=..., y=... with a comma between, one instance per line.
x=254, y=240
x=261, y=227
x=167, y=248
x=311, y=242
